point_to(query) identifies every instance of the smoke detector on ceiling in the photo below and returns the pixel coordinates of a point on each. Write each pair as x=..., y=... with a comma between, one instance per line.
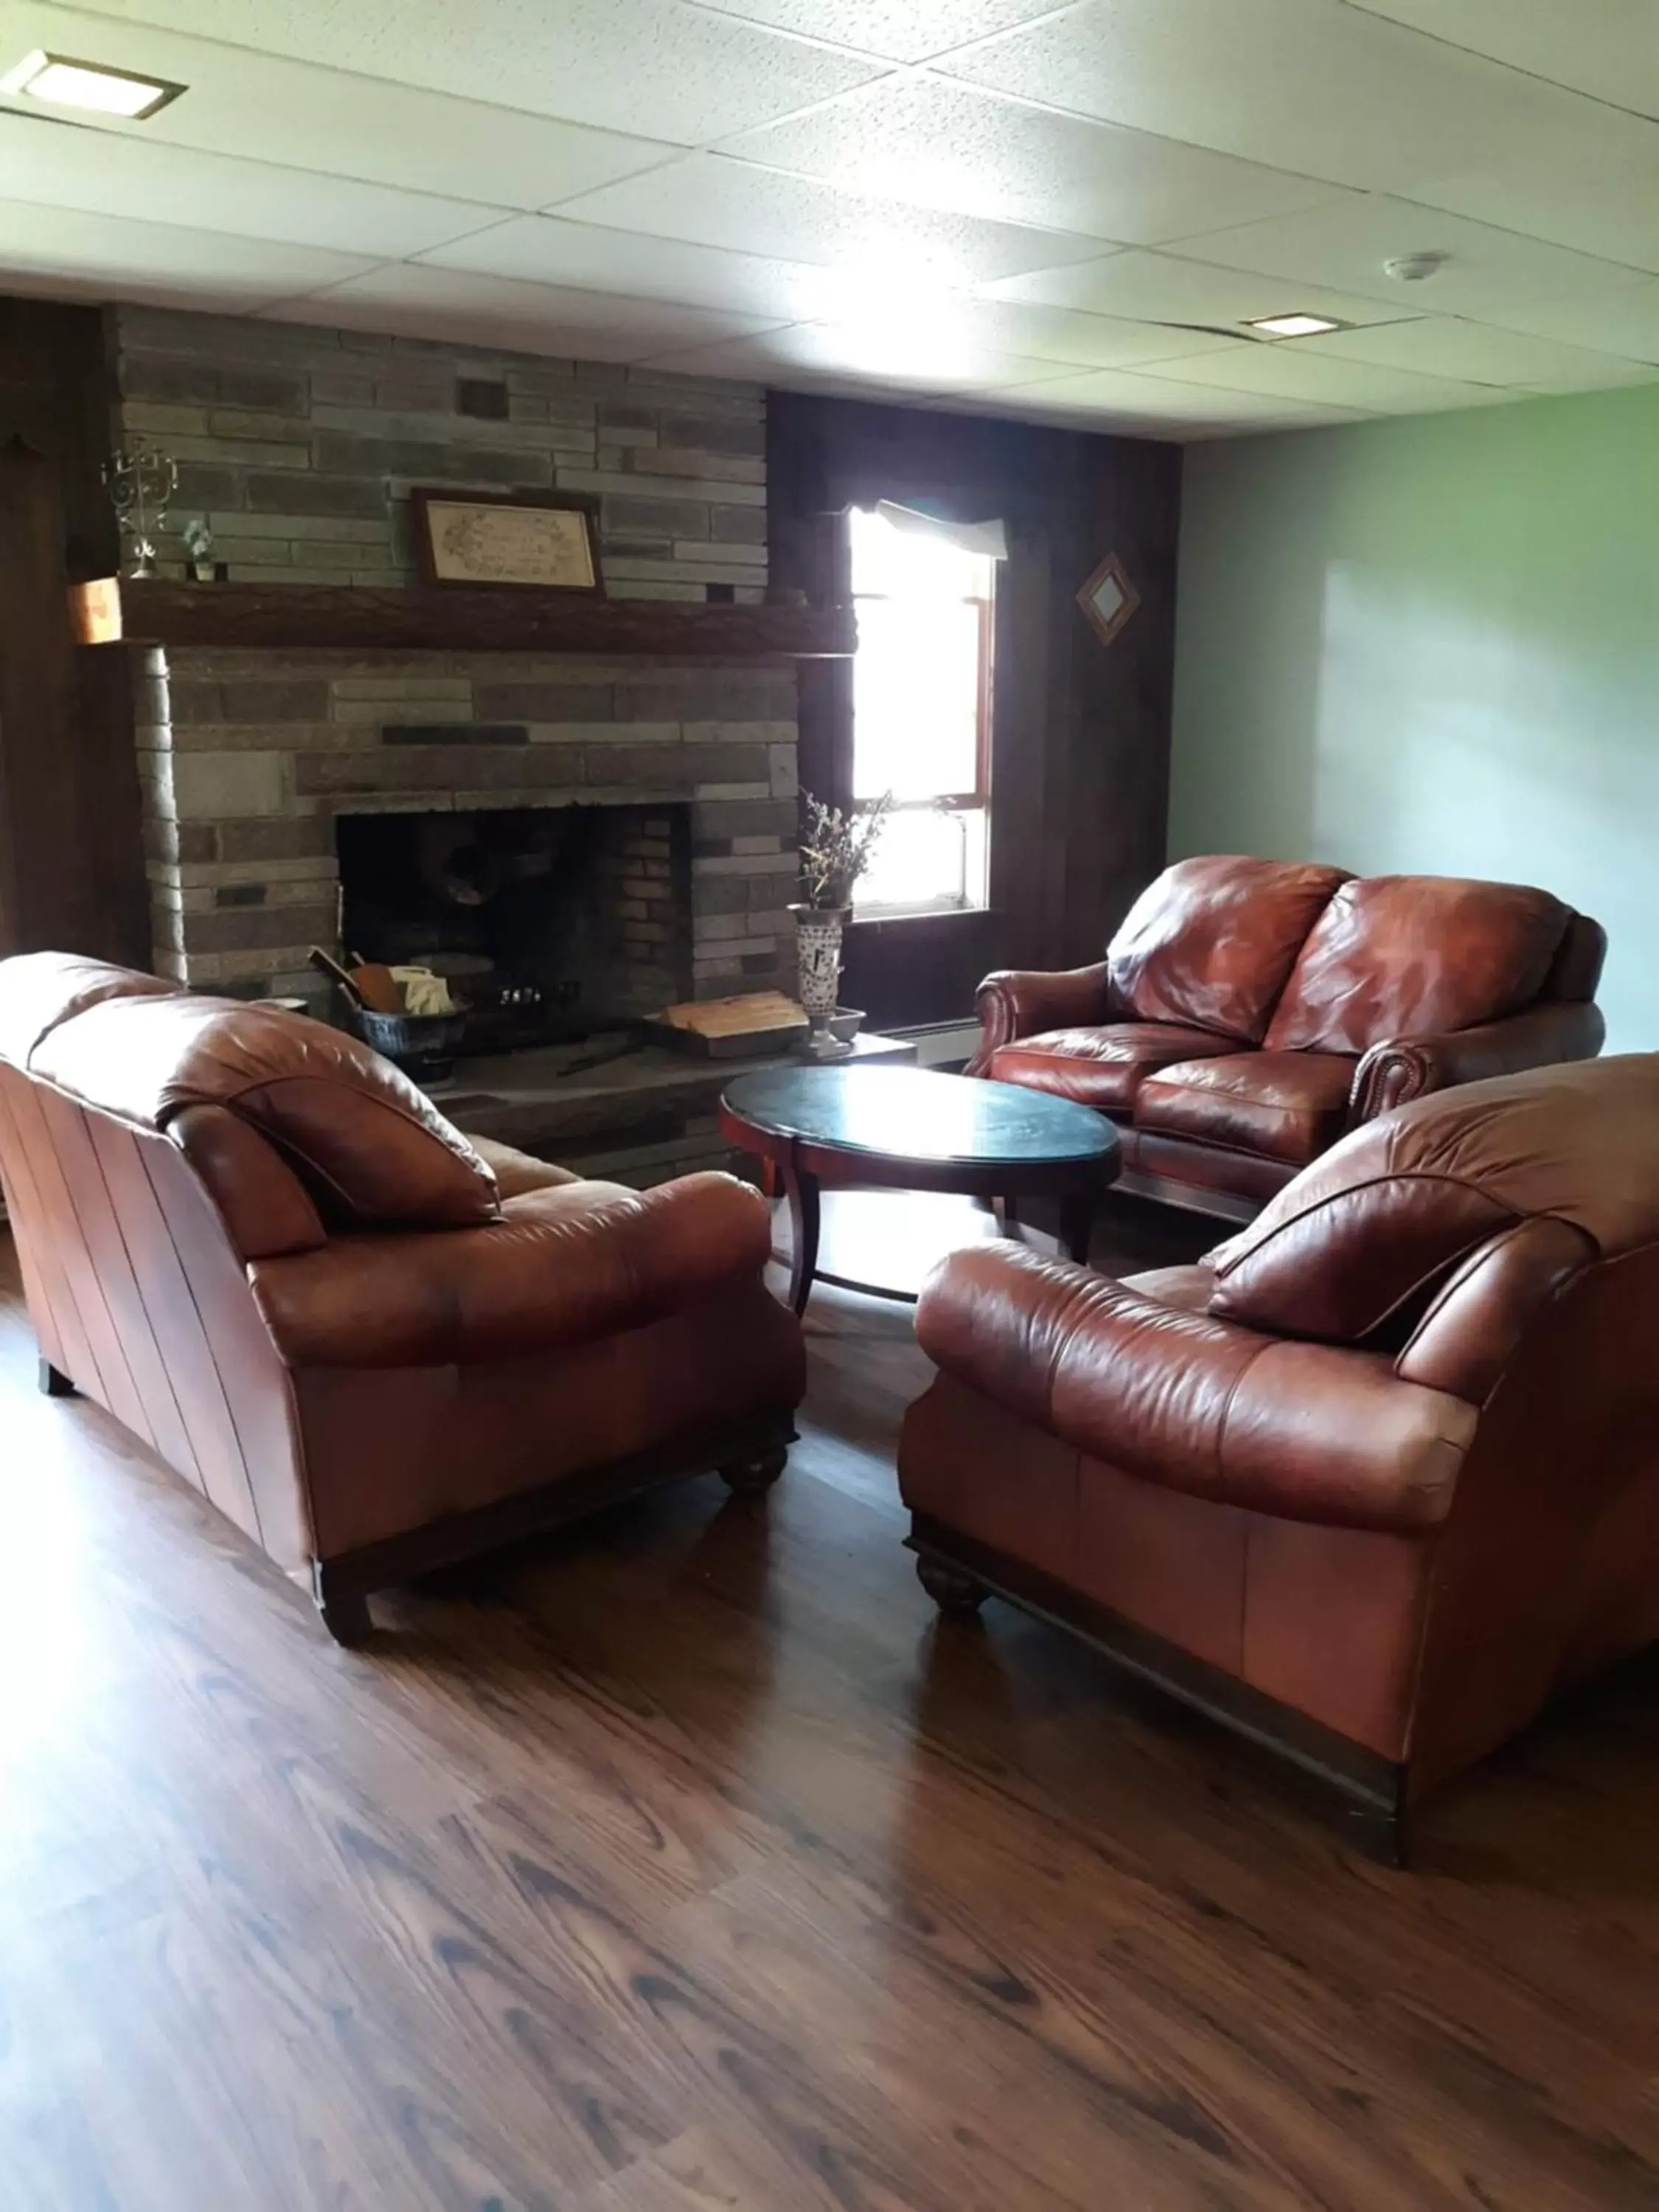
x=1413, y=268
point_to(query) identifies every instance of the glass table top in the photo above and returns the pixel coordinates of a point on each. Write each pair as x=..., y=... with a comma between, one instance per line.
x=912, y=1112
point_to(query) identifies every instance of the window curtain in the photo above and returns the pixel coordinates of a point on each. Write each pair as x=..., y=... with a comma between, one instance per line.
x=989, y=540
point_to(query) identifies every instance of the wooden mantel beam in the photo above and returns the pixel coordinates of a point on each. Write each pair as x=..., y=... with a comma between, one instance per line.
x=449, y=618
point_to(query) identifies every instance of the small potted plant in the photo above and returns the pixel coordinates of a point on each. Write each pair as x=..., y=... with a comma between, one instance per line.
x=198, y=546
x=836, y=849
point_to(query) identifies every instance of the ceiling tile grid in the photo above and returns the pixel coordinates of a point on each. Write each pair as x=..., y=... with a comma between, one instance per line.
x=659, y=68
x=708, y=199
x=919, y=139
x=1065, y=210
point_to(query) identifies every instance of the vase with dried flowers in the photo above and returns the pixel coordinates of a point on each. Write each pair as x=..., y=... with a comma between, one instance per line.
x=836, y=849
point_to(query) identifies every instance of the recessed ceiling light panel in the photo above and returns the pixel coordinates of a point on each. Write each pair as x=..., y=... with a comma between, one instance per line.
x=61, y=82
x=1295, y=326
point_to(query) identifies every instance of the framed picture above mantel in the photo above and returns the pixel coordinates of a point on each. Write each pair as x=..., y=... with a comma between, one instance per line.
x=520, y=540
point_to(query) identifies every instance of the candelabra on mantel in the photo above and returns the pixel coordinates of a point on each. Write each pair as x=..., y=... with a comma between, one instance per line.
x=140, y=482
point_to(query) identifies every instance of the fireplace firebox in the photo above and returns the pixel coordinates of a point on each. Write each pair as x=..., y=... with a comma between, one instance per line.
x=550, y=923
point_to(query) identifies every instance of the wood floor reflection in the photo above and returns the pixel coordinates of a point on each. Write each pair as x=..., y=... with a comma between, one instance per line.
x=686, y=1864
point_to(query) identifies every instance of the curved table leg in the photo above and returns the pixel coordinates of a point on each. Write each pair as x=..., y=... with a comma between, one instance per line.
x=803, y=1194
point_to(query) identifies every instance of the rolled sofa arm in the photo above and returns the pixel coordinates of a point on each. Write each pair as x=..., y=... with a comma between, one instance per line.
x=1018, y=1002
x=564, y=1266
x=1409, y=1067
x=1308, y=1431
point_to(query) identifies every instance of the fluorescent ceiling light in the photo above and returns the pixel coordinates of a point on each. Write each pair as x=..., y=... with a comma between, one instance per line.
x=65, y=83
x=1295, y=326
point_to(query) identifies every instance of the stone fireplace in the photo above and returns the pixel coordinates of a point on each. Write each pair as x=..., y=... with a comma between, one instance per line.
x=259, y=769
x=632, y=819
x=298, y=447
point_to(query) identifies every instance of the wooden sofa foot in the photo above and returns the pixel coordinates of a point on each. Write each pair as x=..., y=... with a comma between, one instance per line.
x=345, y=1615
x=1383, y=1833
x=748, y=1478
x=54, y=1382
x=951, y=1588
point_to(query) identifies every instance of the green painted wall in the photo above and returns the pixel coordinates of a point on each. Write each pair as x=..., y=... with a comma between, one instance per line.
x=1433, y=645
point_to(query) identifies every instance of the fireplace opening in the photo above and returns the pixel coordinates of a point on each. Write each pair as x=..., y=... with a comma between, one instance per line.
x=550, y=923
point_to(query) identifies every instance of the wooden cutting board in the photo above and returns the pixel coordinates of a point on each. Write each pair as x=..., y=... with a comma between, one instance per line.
x=751, y=1015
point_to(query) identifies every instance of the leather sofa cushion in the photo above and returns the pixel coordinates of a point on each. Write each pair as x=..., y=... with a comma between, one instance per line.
x=41, y=990
x=1474, y=1324
x=517, y=1173
x=1189, y=1401
x=1235, y=1182
x=265, y=1208
x=563, y=1265
x=1384, y=1217
x=1416, y=956
x=1286, y=1105
x=1100, y=1068
x=1187, y=1288
x=1340, y=1271
x=370, y=1149
x=1212, y=941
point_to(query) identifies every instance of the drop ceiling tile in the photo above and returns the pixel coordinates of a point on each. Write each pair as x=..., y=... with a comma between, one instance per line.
x=549, y=250
x=111, y=256
x=1623, y=320
x=1345, y=245
x=1295, y=370
x=1061, y=334
x=650, y=68
x=1305, y=85
x=1609, y=49
x=1442, y=345
x=1160, y=287
x=67, y=165
x=1594, y=188
x=1150, y=397
x=883, y=353
x=899, y=30
x=929, y=143
x=544, y=249
x=414, y=300
x=1028, y=407
x=266, y=108
x=1212, y=433
x=711, y=201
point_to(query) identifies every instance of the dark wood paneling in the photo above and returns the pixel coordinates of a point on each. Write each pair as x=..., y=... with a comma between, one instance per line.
x=1081, y=731
x=71, y=863
x=920, y=969
x=56, y=392
x=443, y=617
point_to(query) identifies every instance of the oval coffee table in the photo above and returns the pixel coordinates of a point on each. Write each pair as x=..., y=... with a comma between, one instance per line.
x=906, y=1128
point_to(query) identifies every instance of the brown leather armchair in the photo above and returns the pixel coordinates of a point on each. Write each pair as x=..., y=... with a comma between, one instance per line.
x=1248, y=1012
x=376, y=1346
x=1376, y=1480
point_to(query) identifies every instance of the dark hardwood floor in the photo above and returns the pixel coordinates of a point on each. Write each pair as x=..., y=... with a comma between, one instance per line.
x=688, y=1864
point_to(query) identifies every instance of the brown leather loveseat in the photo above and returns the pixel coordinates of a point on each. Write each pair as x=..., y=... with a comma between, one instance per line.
x=260, y=1247
x=1374, y=1481
x=1250, y=1012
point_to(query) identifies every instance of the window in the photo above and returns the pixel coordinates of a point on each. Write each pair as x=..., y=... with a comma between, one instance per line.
x=922, y=715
